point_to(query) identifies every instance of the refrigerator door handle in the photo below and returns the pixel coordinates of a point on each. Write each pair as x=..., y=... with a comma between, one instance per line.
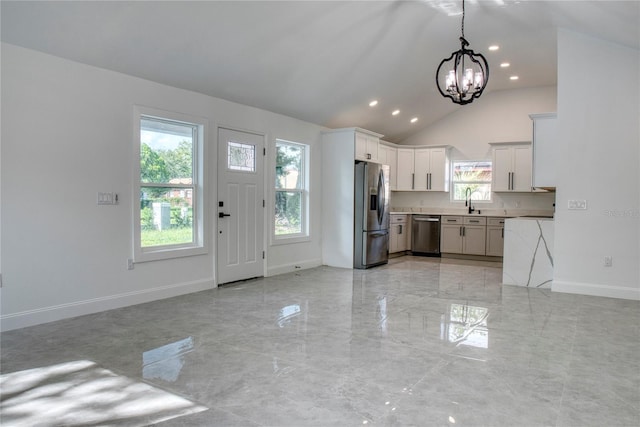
x=378, y=233
x=381, y=196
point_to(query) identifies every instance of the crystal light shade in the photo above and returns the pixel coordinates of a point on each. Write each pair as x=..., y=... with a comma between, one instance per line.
x=463, y=76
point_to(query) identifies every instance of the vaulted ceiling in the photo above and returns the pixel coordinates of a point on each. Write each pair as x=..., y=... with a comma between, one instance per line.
x=319, y=61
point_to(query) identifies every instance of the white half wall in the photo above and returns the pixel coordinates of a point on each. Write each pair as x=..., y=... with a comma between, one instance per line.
x=66, y=135
x=599, y=133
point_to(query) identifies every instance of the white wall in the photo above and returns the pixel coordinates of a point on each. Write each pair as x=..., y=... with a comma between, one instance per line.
x=501, y=116
x=599, y=132
x=67, y=134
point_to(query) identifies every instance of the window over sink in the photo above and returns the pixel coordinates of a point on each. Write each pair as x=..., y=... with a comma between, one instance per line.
x=474, y=175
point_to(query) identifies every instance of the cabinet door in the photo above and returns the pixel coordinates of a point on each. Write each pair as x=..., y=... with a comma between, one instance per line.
x=366, y=147
x=521, y=179
x=372, y=148
x=389, y=156
x=394, y=233
x=421, y=169
x=361, y=146
x=402, y=237
x=404, y=172
x=544, y=151
x=407, y=237
x=383, y=154
x=438, y=170
x=474, y=239
x=451, y=239
x=495, y=241
x=501, y=168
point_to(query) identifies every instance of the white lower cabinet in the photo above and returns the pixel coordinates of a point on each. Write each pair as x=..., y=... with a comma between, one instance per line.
x=463, y=235
x=495, y=237
x=399, y=235
x=451, y=234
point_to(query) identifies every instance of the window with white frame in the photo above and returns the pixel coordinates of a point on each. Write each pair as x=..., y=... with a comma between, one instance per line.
x=169, y=178
x=291, y=190
x=471, y=179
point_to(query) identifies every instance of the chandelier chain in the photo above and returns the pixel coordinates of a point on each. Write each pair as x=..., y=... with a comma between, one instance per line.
x=462, y=26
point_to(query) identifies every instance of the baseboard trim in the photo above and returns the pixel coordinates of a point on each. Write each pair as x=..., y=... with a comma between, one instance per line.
x=596, y=290
x=38, y=316
x=294, y=266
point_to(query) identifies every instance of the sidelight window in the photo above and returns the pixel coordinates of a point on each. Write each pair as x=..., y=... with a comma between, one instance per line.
x=291, y=190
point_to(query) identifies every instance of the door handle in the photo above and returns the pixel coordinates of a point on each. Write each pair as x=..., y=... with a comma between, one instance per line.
x=222, y=214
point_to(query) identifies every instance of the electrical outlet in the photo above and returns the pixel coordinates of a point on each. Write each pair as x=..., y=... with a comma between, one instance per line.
x=130, y=264
x=577, y=204
x=608, y=261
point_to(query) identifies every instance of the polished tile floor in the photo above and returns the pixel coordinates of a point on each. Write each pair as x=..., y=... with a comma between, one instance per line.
x=419, y=342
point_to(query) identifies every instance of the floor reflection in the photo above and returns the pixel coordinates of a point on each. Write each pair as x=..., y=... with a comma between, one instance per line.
x=466, y=325
x=166, y=362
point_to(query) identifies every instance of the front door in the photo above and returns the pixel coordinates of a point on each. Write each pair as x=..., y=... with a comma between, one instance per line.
x=240, y=206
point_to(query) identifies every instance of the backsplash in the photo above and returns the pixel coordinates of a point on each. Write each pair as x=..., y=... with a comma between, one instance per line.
x=516, y=204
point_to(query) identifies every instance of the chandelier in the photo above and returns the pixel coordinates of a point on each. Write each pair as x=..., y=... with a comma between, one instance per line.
x=467, y=76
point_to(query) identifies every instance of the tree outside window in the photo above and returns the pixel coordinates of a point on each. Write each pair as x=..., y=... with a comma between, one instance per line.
x=471, y=177
x=169, y=216
x=291, y=194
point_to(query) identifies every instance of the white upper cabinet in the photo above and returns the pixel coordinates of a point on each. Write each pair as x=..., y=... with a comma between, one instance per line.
x=366, y=146
x=423, y=169
x=388, y=155
x=544, y=150
x=404, y=175
x=431, y=169
x=511, y=167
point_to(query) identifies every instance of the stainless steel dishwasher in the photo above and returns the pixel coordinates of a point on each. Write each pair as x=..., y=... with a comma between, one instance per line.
x=425, y=235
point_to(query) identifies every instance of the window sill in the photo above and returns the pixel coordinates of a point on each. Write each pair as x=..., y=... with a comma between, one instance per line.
x=147, y=255
x=282, y=240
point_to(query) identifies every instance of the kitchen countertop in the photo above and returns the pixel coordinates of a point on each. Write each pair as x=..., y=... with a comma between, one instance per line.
x=496, y=213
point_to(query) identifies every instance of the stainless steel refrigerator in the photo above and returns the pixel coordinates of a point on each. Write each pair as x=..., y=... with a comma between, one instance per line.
x=371, y=231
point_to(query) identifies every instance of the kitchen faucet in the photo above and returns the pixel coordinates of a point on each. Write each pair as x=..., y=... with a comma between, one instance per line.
x=467, y=199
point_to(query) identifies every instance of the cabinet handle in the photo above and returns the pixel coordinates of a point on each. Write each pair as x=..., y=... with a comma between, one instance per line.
x=503, y=233
x=463, y=231
x=368, y=156
x=460, y=231
x=400, y=229
x=474, y=220
x=413, y=181
x=427, y=180
x=430, y=181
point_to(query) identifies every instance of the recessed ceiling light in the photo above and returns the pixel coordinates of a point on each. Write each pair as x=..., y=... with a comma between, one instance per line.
x=373, y=103
x=395, y=112
x=514, y=78
x=505, y=64
x=415, y=119
x=494, y=47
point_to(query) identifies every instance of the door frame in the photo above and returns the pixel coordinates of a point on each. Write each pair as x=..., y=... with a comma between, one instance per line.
x=214, y=205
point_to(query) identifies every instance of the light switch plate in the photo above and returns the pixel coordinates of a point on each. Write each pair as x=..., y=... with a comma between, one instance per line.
x=107, y=198
x=577, y=205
